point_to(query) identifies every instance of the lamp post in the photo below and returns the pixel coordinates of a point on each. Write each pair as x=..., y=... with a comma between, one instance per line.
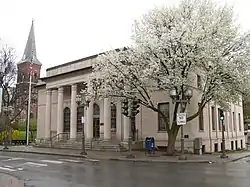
x=223, y=155
x=183, y=98
x=79, y=103
x=1, y=83
x=6, y=110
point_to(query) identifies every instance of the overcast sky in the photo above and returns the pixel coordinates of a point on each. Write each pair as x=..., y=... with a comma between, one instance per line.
x=67, y=30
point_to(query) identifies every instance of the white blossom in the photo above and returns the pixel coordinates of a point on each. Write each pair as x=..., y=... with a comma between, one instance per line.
x=170, y=44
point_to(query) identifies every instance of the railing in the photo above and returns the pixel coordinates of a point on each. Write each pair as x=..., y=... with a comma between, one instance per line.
x=59, y=136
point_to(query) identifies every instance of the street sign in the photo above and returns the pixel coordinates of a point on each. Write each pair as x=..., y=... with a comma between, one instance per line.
x=181, y=118
x=83, y=119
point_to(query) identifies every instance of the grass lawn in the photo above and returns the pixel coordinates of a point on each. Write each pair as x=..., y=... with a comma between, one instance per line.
x=22, y=135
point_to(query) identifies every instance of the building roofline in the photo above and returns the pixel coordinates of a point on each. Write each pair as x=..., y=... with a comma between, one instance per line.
x=66, y=73
x=82, y=59
x=75, y=61
x=40, y=85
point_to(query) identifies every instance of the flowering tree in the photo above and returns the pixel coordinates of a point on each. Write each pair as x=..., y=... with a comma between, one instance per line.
x=170, y=45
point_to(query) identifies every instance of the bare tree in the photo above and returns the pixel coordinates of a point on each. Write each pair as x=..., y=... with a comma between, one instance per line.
x=11, y=109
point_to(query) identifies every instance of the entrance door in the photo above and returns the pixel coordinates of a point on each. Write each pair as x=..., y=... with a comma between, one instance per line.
x=96, y=128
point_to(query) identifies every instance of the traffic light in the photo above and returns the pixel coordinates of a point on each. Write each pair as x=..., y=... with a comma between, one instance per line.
x=221, y=115
x=135, y=107
x=125, y=107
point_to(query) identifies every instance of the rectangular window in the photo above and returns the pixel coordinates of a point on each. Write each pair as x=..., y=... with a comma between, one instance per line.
x=201, y=119
x=162, y=123
x=239, y=121
x=219, y=121
x=113, y=116
x=213, y=119
x=234, y=124
x=230, y=122
x=199, y=86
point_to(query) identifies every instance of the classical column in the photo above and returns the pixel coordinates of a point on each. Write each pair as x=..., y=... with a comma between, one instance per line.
x=126, y=127
x=118, y=121
x=48, y=114
x=60, y=111
x=90, y=121
x=101, y=120
x=73, y=112
x=107, y=119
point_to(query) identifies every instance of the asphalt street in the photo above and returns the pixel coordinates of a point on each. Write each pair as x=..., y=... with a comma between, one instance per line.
x=54, y=171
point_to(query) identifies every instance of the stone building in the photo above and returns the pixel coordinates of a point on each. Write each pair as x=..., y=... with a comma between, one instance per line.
x=59, y=116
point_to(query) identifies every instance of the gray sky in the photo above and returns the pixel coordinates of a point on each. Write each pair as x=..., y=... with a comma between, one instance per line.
x=67, y=30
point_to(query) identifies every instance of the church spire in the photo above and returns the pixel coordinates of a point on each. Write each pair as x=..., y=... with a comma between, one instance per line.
x=29, y=54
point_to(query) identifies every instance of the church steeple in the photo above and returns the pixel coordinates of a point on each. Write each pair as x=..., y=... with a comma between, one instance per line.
x=29, y=54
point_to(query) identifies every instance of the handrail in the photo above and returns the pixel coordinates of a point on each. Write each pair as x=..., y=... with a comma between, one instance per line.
x=57, y=136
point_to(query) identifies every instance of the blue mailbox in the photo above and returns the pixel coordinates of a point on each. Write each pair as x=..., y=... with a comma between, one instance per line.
x=150, y=144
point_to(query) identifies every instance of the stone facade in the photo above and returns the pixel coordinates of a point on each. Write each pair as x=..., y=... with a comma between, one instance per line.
x=58, y=113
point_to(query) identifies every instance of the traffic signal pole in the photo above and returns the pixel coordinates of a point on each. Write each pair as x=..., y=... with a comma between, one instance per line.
x=131, y=112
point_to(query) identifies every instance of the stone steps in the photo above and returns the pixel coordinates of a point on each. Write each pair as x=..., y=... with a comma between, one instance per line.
x=89, y=145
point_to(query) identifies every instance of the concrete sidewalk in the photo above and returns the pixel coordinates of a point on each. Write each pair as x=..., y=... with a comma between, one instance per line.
x=121, y=156
x=10, y=181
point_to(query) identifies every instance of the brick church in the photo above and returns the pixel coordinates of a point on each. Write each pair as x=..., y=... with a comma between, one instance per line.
x=28, y=66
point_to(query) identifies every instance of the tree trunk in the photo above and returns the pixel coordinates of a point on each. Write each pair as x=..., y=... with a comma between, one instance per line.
x=171, y=143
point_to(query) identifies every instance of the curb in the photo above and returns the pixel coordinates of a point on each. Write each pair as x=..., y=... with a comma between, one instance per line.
x=112, y=159
x=47, y=153
x=162, y=161
x=240, y=158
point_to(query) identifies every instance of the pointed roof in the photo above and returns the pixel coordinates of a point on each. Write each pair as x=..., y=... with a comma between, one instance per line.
x=29, y=54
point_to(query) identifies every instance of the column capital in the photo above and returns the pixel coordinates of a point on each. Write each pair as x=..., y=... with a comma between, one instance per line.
x=60, y=89
x=74, y=87
x=48, y=91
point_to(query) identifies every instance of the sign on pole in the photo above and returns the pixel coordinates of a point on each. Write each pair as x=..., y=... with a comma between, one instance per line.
x=181, y=118
x=83, y=119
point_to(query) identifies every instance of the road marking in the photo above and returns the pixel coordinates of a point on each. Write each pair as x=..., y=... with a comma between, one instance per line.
x=19, y=169
x=92, y=160
x=69, y=160
x=52, y=161
x=35, y=164
x=12, y=159
x=6, y=166
x=7, y=169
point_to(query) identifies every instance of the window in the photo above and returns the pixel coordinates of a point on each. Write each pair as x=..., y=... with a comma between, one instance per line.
x=239, y=121
x=113, y=116
x=219, y=121
x=201, y=119
x=226, y=122
x=234, y=125
x=80, y=114
x=96, y=110
x=230, y=122
x=162, y=123
x=66, y=119
x=199, y=86
x=213, y=119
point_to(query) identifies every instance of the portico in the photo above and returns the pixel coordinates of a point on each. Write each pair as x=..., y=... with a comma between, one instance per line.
x=103, y=119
